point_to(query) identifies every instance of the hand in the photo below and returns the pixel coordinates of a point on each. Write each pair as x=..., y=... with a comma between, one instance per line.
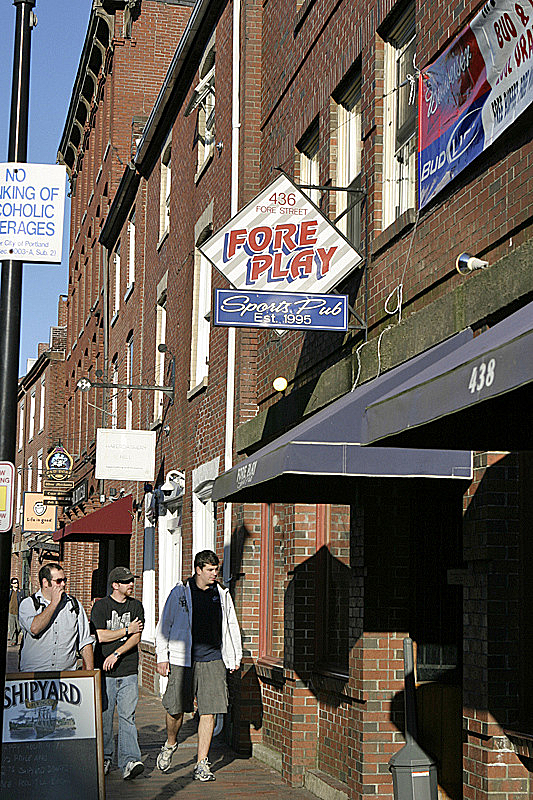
x=163, y=668
x=110, y=662
x=135, y=626
x=57, y=592
x=235, y=668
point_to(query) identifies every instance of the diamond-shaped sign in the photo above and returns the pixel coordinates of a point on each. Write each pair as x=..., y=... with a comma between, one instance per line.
x=281, y=242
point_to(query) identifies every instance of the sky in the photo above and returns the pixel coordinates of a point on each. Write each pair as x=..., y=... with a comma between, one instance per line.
x=56, y=45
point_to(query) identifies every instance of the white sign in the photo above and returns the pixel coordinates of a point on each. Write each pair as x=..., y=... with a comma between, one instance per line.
x=50, y=708
x=32, y=208
x=281, y=242
x=125, y=455
x=7, y=481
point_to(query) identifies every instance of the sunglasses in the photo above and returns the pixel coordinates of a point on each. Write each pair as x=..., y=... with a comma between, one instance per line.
x=125, y=583
x=59, y=580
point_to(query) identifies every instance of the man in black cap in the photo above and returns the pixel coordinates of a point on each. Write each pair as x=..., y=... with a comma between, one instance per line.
x=119, y=620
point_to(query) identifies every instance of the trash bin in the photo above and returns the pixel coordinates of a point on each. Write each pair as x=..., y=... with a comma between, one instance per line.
x=414, y=774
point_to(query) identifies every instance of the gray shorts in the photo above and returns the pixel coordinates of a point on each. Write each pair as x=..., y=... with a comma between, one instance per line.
x=205, y=680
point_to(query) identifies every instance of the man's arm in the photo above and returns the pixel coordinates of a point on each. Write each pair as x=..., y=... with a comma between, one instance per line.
x=113, y=659
x=42, y=620
x=87, y=655
x=134, y=627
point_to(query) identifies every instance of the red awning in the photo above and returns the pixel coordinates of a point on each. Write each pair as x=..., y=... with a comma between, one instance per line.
x=112, y=520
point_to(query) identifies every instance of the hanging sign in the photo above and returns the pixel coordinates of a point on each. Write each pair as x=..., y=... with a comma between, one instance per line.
x=473, y=92
x=309, y=312
x=32, y=208
x=281, y=242
x=37, y=515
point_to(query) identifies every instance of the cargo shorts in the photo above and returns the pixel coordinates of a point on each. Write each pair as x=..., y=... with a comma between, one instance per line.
x=205, y=680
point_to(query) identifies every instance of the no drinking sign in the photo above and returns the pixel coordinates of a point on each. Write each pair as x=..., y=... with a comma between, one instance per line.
x=32, y=209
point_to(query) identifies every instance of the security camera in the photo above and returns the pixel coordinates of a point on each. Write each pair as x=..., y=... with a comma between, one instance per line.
x=173, y=487
x=467, y=263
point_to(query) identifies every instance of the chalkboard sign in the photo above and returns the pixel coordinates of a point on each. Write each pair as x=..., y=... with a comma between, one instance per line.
x=52, y=736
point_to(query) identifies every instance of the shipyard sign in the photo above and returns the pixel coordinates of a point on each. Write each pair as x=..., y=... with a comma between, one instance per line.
x=281, y=242
x=32, y=208
x=473, y=92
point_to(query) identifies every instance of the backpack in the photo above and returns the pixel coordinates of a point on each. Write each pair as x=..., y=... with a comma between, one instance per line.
x=37, y=605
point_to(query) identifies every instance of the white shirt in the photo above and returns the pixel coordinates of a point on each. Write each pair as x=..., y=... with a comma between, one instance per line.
x=54, y=649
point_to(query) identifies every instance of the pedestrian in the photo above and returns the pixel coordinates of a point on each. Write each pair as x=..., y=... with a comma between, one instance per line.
x=197, y=639
x=13, y=625
x=119, y=620
x=55, y=626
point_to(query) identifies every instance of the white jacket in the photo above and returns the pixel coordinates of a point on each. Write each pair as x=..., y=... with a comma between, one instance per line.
x=173, y=635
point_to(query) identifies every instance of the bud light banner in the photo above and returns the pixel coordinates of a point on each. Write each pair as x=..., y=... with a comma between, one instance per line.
x=281, y=242
x=471, y=94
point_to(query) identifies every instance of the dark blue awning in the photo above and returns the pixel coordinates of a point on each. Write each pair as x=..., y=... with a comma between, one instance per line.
x=479, y=396
x=318, y=460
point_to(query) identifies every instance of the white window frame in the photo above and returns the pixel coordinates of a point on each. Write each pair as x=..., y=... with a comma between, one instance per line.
x=203, y=508
x=42, y=398
x=399, y=159
x=348, y=166
x=201, y=323
x=29, y=474
x=40, y=470
x=131, y=250
x=129, y=379
x=309, y=164
x=116, y=296
x=19, y=495
x=31, y=421
x=21, y=426
x=114, y=395
x=160, y=338
x=204, y=100
x=165, y=195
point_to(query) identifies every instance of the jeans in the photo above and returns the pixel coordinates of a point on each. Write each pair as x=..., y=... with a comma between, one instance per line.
x=124, y=693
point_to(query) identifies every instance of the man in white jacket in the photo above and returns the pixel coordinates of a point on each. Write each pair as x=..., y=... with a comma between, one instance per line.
x=197, y=639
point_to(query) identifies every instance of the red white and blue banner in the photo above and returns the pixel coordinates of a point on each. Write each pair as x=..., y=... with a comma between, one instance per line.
x=473, y=92
x=281, y=242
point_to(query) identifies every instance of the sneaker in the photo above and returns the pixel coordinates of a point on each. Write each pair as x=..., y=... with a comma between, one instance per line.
x=132, y=769
x=107, y=766
x=165, y=756
x=202, y=771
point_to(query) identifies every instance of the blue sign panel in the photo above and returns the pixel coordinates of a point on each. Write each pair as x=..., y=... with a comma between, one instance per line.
x=308, y=312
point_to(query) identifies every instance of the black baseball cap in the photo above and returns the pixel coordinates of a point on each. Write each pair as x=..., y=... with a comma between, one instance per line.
x=121, y=575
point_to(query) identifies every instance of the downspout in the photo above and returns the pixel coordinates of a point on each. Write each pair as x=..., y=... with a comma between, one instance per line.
x=230, y=378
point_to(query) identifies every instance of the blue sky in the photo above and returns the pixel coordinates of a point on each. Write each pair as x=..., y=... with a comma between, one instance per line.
x=55, y=51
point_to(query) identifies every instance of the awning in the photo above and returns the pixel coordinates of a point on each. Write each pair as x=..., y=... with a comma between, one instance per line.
x=479, y=396
x=115, y=519
x=318, y=460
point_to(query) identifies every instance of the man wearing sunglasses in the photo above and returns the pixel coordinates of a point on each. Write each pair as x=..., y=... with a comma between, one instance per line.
x=55, y=626
x=119, y=620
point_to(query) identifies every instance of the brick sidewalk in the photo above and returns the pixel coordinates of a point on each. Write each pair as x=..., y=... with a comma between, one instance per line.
x=237, y=778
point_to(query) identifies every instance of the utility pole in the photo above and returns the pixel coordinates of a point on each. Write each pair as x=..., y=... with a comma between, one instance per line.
x=10, y=299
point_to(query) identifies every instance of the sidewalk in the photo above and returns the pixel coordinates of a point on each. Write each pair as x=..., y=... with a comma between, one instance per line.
x=236, y=778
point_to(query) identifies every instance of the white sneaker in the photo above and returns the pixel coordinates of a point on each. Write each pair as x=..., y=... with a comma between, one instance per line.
x=164, y=758
x=132, y=769
x=107, y=766
x=202, y=771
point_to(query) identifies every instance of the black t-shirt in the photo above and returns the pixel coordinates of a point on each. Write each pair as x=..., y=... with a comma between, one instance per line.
x=206, y=622
x=109, y=615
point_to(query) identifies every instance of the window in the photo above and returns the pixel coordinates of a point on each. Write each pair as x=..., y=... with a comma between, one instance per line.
x=31, y=423
x=200, y=320
x=131, y=253
x=273, y=569
x=21, y=426
x=29, y=474
x=42, y=403
x=203, y=101
x=39, y=470
x=160, y=338
x=348, y=100
x=399, y=167
x=129, y=379
x=116, y=297
x=166, y=179
x=114, y=395
x=308, y=148
x=19, y=495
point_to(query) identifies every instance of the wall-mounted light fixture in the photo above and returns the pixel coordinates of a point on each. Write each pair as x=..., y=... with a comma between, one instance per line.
x=280, y=384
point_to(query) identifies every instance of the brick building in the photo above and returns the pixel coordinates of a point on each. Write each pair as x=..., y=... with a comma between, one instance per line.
x=39, y=429
x=384, y=492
